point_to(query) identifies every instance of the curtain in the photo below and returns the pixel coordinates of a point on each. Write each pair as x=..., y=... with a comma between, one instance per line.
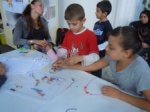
x=127, y=11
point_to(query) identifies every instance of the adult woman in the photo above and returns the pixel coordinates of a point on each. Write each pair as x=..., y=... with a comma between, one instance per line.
x=31, y=28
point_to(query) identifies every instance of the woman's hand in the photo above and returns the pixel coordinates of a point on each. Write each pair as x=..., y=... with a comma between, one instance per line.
x=42, y=43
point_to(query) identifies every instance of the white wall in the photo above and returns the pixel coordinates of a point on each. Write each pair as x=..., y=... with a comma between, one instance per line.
x=126, y=8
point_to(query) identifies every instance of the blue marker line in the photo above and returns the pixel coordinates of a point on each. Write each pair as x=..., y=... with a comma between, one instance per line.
x=36, y=89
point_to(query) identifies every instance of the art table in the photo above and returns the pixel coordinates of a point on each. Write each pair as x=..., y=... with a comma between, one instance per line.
x=31, y=87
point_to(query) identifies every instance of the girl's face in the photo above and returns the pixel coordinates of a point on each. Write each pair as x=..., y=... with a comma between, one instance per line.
x=114, y=50
x=76, y=25
x=38, y=8
x=144, y=18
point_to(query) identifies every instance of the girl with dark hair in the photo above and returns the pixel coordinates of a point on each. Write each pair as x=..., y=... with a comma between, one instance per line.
x=131, y=73
x=31, y=28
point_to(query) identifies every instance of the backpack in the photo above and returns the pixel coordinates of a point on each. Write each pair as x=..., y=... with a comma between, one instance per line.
x=60, y=34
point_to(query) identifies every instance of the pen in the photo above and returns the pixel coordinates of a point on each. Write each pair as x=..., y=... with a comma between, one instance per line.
x=12, y=89
x=36, y=89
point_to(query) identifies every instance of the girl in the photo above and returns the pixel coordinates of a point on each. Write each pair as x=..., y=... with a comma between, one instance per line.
x=144, y=20
x=130, y=71
x=31, y=28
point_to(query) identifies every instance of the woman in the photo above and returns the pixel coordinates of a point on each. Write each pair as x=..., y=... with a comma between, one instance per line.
x=31, y=28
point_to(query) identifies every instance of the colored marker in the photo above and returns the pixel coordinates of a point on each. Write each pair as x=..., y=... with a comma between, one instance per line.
x=36, y=89
x=12, y=89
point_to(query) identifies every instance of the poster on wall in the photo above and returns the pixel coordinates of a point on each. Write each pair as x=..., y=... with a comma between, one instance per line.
x=14, y=8
x=50, y=12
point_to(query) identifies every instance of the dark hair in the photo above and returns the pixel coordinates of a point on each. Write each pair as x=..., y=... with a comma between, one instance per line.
x=147, y=12
x=105, y=6
x=144, y=33
x=74, y=12
x=60, y=35
x=27, y=14
x=129, y=38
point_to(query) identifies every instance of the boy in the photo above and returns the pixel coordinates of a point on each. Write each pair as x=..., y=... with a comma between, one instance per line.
x=101, y=28
x=79, y=44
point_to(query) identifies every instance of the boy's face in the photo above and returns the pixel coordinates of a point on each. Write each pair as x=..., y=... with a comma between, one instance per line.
x=76, y=25
x=99, y=13
x=144, y=18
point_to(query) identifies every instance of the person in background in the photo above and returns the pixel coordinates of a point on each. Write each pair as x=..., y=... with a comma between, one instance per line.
x=31, y=28
x=144, y=20
x=2, y=74
x=130, y=71
x=144, y=33
x=79, y=44
x=101, y=28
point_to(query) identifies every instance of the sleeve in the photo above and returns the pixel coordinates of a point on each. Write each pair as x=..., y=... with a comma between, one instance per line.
x=92, y=42
x=52, y=55
x=89, y=59
x=144, y=80
x=18, y=33
x=62, y=53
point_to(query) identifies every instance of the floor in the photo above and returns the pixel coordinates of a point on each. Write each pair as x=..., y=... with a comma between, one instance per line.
x=5, y=48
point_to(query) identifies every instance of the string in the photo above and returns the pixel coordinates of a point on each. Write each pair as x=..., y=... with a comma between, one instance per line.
x=86, y=86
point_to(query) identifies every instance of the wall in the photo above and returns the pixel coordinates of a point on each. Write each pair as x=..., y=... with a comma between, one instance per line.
x=8, y=31
x=123, y=11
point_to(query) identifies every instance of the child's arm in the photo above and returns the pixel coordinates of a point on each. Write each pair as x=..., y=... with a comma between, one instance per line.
x=138, y=102
x=2, y=69
x=95, y=66
x=85, y=60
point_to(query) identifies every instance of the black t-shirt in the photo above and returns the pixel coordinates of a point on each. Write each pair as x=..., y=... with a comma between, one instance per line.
x=101, y=31
x=37, y=34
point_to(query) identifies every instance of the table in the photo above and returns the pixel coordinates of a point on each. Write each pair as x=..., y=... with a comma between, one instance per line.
x=32, y=88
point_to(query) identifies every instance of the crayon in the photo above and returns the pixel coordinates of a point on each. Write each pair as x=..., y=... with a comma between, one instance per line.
x=38, y=90
x=12, y=89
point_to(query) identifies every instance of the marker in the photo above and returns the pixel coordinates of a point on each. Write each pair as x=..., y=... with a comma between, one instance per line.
x=12, y=89
x=36, y=89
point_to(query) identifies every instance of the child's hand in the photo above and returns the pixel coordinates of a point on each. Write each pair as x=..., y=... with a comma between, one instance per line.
x=111, y=92
x=56, y=66
x=48, y=47
x=73, y=60
x=2, y=69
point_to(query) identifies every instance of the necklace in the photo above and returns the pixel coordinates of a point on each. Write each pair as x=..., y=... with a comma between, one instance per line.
x=86, y=86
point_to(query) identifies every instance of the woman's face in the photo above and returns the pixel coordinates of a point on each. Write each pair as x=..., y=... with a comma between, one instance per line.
x=144, y=18
x=38, y=8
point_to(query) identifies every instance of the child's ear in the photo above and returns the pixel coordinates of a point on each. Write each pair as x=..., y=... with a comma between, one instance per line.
x=83, y=20
x=128, y=53
x=105, y=14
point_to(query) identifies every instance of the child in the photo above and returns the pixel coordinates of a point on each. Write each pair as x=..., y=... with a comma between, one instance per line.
x=130, y=71
x=144, y=20
x=101, y=28
x=79, y=44
x=2, y=72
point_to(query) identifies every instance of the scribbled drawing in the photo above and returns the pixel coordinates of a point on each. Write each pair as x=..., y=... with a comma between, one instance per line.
x=71, y=109
x=86, y=87
x=73, y=81
x=35, y=84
